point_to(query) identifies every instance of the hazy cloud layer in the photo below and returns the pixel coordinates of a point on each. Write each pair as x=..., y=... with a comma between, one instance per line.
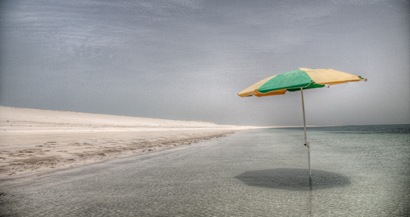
x=182, y=59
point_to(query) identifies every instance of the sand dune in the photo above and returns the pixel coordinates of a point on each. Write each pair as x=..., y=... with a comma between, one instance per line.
x=34, y=142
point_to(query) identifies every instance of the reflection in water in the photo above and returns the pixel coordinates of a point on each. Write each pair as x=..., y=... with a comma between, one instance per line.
x=310, y=203
x=293, y=179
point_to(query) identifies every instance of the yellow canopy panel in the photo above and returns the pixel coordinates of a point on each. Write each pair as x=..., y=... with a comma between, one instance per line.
x=253, y=89
x=330, y=76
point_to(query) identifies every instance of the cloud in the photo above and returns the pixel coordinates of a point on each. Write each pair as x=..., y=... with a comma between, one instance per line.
x=86, y=28
x=356, y=2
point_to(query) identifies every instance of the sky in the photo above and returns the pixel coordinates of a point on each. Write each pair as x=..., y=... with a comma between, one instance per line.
x=187, y=59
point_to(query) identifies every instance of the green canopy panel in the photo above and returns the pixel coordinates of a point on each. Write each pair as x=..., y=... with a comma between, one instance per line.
x=291, y=81
x=310, y=86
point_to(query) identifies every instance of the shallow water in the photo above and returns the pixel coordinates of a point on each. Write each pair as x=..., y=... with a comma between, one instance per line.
x=356, y=171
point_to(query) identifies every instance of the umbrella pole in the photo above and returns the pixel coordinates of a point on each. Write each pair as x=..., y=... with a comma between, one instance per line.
x=306, y=142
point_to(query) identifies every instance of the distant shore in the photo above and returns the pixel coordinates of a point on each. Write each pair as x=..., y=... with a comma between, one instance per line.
x=35, y=142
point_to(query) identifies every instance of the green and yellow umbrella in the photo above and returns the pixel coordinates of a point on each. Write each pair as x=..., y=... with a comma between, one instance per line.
x=299, y=80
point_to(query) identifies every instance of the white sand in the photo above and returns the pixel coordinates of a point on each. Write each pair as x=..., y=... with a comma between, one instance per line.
x=34, y=142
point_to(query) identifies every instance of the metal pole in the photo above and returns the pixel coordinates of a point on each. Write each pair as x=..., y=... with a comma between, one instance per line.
x=306, y=142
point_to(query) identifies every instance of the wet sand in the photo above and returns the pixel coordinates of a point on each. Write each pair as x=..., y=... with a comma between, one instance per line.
x=34, y=142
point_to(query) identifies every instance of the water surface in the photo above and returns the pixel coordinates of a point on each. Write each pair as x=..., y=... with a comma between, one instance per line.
x=356, y=171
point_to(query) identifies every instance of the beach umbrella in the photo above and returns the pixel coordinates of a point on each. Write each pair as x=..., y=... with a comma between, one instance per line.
x=299, y=80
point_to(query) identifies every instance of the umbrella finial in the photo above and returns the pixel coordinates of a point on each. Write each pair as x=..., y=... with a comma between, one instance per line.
x=365, y=79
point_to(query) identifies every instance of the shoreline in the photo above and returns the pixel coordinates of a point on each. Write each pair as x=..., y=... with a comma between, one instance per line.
x=37, y=142
x=27, y=168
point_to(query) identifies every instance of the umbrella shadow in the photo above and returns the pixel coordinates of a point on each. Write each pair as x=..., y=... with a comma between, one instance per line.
x=293, y=179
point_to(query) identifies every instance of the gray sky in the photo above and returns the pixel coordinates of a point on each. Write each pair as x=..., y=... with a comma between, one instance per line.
x=187, y=59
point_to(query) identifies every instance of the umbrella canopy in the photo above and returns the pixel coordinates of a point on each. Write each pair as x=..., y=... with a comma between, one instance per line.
x=300, y=79
x=295, y=80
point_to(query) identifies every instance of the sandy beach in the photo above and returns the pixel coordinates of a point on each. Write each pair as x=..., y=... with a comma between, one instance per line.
x=35, y=142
